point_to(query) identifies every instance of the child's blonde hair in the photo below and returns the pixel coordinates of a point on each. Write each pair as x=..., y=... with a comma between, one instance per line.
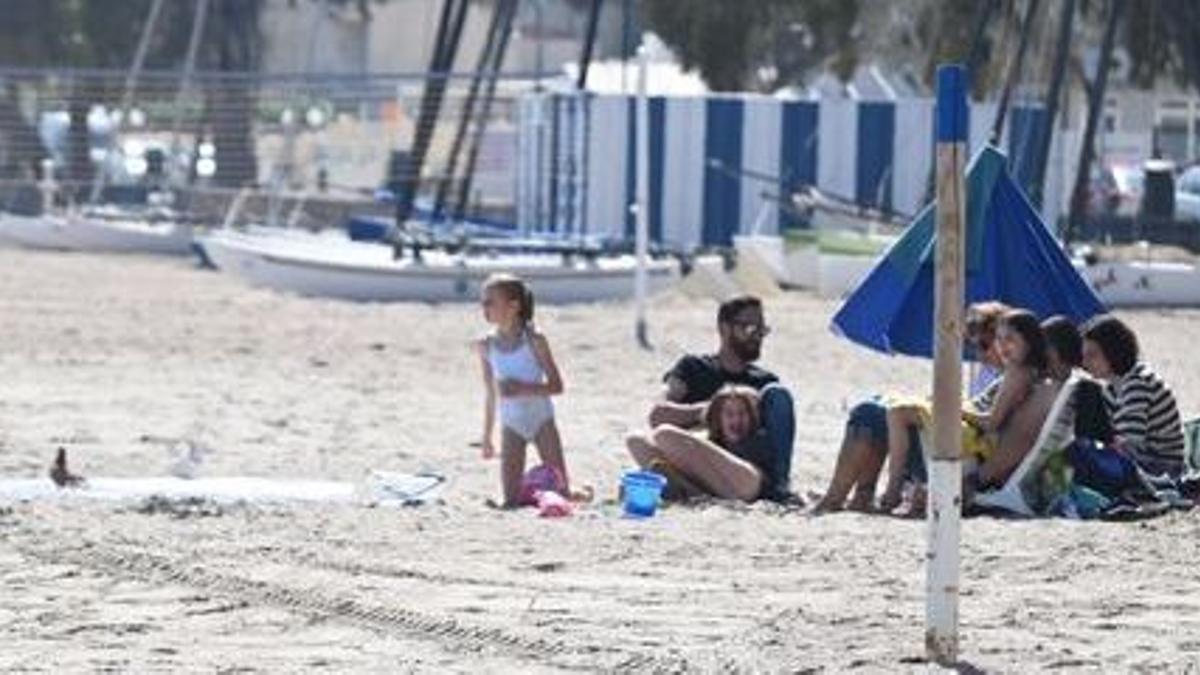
x=513, y=288
x=747, y=396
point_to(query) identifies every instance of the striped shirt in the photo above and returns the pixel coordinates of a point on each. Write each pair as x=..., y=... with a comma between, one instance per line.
x=1146, y=418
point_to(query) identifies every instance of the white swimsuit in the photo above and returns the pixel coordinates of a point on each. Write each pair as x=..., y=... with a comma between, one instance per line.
x=524, y=415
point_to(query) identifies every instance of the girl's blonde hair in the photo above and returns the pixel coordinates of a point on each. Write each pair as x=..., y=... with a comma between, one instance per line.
x=747, y=396
x=513, y=288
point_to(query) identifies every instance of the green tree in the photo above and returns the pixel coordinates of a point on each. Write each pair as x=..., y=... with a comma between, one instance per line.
x=104, y=34
x=28, y=35
x=720, y=39
x=756, y=44
x=766, y=44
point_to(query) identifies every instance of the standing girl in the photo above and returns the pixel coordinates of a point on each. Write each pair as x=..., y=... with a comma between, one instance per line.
x=520, y=372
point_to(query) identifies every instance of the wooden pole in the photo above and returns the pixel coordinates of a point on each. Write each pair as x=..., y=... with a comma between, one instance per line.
x=945, y=477
x=642, y=164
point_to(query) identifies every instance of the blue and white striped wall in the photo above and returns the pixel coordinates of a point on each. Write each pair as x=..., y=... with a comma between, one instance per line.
x=718, y=164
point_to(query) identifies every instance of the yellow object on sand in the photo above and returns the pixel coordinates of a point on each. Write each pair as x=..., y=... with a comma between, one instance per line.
x=976, y=442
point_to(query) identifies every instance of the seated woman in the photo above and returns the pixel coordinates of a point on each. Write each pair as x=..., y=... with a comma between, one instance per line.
x=1000, y=425
x=1145, y=416
x=865, y=442
x=731, y=463
x=1001, y=428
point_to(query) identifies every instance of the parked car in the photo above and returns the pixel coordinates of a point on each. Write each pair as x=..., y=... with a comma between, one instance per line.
x=1116, y=190
x=1187, y=194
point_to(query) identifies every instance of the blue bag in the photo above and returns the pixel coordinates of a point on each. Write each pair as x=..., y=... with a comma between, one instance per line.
x=1102, y=469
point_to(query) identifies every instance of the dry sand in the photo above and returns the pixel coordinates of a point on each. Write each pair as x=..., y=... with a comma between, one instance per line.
x=118, y=358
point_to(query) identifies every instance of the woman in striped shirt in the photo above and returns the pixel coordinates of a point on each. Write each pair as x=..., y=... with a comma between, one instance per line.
x=1144, y=415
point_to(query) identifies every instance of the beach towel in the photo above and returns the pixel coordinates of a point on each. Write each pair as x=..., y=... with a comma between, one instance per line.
x=1191, y=446
x=1045, y=474
x=1131, y=494
x=379, y=488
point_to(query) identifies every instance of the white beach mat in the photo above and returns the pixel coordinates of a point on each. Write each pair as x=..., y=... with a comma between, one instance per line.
x=379, y=488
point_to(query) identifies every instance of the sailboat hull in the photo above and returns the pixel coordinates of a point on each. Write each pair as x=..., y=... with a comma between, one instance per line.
x=367, y=272
x=1144, y=284
x=102, y=235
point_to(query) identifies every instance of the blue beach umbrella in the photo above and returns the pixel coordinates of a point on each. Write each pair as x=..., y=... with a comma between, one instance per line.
x=1010, y=257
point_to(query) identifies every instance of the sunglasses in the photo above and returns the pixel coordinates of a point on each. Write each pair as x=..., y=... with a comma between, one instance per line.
x=751, y=329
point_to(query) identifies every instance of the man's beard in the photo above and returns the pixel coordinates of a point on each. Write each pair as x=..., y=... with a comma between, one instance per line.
x=748, y=350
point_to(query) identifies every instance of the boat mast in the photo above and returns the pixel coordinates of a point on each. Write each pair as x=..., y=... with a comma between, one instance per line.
x=445, y=46
x=189, y=67
x=485, y=59
x=1046, y=134
x=508, y=10
x=135, y=71
x=1014, y=72
x=580, y=130
x=1087, y=149
x=589, y=43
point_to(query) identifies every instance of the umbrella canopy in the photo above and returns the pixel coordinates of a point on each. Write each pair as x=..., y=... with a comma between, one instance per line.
x=1010, y=257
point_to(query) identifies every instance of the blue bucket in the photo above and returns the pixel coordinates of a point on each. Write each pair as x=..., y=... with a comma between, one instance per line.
x=642, y=490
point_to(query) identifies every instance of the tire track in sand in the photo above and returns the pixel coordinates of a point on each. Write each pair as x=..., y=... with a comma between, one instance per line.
x=139, y=564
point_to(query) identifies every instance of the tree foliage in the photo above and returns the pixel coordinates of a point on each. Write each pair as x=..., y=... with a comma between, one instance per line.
x=1148, y=43
x=755, y=44
x=105, y=34
x=765, y=44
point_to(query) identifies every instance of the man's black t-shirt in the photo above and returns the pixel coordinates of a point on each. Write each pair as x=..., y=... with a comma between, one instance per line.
x=703, y=376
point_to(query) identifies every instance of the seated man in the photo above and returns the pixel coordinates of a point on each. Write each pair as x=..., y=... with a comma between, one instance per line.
x=696, y=378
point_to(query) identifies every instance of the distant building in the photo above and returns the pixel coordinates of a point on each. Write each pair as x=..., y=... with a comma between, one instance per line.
x=315, y=36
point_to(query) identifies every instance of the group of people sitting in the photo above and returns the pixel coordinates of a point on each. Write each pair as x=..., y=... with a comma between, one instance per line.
x=1121, y=407
x=1124, y=414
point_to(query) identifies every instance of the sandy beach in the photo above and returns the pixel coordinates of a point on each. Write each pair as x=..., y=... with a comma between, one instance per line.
x=120, y=359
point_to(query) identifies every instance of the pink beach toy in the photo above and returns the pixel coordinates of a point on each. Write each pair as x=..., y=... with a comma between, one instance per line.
x=539, y=479
x=553, y=505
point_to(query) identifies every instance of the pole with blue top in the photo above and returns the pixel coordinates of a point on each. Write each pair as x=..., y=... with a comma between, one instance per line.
x=945, y=476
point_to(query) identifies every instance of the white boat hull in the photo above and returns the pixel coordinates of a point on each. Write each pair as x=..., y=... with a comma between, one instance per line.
x=832, y=275
x=323, y=267
x=132, y=236
x=1143, y=284
x=75, y=233
x=38, y=232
